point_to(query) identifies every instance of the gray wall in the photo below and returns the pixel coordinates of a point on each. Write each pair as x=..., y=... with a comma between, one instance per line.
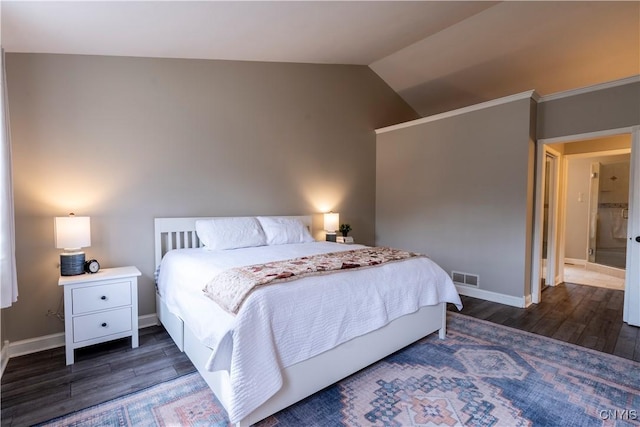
x=125, y=140
x=460, y=190
x=611, y=108
x=600, y=110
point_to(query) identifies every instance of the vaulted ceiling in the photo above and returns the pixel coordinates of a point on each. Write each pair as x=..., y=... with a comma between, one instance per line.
x=438, y=55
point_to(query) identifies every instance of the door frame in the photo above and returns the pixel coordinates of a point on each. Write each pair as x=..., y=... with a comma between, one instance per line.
x=632, y=281
x=631, y=313
x=542, y=151
x=554, y=204
x=594, y=197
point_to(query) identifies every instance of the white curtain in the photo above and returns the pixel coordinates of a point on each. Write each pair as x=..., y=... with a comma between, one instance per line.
x=9, y=282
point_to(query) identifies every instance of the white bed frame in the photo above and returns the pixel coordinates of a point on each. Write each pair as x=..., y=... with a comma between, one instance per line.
x=304, y=378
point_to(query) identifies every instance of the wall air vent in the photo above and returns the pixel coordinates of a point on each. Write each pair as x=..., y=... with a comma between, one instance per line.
x=467, y=279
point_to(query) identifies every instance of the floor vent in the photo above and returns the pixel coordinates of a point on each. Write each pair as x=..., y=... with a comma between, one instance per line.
x=465, y=278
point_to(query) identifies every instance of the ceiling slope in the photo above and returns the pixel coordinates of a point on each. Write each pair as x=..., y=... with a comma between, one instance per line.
x=517, y=46
x=438, y=55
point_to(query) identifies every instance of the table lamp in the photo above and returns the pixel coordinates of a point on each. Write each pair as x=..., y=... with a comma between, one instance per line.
x=331, y=221
x=72, y=233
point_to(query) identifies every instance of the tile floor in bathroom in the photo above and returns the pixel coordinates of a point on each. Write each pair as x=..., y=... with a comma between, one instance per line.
x=580, y=275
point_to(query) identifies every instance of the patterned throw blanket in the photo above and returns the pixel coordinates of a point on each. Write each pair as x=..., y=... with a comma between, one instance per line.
x=231, y=287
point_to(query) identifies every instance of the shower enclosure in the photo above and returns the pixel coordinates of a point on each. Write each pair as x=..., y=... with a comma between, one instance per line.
x=609, y=213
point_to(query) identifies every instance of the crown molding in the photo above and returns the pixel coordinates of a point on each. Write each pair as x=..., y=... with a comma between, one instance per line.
x=591, y=88
x=530, y=94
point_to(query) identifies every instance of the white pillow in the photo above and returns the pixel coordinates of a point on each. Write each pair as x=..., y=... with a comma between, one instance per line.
x=230, y=233
x=280, y=230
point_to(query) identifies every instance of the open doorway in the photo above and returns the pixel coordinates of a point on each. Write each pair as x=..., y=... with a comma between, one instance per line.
x=585, y=225
x=596, y=206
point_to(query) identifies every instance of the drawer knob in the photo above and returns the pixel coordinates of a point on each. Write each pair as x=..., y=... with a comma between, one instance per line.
x=104, y=324
x=103, y=297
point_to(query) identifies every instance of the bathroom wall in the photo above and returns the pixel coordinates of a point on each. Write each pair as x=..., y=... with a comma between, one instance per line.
x=612, y=193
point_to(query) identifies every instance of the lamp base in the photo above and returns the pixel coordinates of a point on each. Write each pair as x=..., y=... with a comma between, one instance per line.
x=331, y=237
x=71, y=263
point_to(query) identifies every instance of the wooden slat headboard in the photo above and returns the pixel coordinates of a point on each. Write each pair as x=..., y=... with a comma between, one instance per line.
x=180, y=233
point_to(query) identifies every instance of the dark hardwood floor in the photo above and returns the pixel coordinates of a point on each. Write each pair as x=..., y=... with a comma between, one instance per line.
x=38, y=387
x=583, y=315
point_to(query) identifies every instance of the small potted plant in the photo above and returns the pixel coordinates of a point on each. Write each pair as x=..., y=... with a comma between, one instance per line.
x=344, y=229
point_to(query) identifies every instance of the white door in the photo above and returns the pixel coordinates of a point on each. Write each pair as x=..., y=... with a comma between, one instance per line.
x=631, y=313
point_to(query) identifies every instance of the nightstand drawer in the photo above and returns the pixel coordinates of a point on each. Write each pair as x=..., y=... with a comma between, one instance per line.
x=100, y=307
x=101, y=324
x=101, y=297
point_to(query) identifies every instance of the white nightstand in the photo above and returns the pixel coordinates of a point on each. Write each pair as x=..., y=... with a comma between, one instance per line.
x=100, y=307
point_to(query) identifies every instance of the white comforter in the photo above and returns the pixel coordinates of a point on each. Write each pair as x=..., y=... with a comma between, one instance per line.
x=283, y=324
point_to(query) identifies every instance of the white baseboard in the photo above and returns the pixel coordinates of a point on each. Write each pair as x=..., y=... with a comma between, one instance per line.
x=34, y=345
x=46, y=342
x=520, y=302
x=4, y=357
x=147, y=321
x=528, y=300
x=575, y=261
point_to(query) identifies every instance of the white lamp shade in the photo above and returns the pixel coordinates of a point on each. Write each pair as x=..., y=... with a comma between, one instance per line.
x=331, y=221
x=72, y=232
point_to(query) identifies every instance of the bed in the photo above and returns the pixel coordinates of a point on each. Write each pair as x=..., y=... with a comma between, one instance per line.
x=225, y=360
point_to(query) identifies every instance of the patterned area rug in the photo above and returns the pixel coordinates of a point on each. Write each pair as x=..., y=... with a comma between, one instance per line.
x=482, y=375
